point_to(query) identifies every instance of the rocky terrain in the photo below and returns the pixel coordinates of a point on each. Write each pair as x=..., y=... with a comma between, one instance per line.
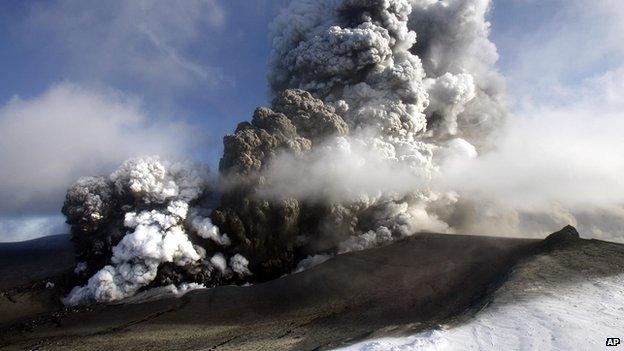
x=402, y=289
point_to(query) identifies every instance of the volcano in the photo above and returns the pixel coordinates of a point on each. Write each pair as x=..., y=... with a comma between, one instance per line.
x=428, y=291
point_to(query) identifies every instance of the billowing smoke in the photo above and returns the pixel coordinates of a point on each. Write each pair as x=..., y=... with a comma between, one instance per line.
x=374, y=102
x=142, y=226
x=369, y=96
x=402, y=67
x=415, y=84
x=270, y=231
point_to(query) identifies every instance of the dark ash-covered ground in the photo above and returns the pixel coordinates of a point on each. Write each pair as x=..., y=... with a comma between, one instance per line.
x=397, y=289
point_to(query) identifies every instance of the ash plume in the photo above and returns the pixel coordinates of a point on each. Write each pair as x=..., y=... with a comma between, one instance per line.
x=423, y=67
x=269, y=230
x=369, y=99
x=138, y=227
x=412, y=80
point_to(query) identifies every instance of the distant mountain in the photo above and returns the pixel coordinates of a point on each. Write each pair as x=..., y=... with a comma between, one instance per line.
x=46, y=242
x=27, y=261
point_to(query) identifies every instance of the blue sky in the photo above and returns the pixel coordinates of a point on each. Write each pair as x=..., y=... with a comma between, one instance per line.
x=178, y=77
x=216, y=81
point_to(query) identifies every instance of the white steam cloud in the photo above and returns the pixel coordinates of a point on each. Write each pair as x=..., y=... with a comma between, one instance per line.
x=553, y=164
x=157, y=195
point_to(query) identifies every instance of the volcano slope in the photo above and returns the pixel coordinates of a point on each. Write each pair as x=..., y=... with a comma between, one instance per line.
x=400, y=289
x=32, y=275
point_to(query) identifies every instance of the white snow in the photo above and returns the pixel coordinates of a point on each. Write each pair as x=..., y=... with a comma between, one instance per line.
x=550, y=303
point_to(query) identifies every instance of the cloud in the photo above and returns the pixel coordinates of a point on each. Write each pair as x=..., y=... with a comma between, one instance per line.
x=556, y=160
x=157, y=52
x=559, y=152
x=48, y=141
x=152, y=44
x=556, y=163
x=571, y=40
x=19, y=228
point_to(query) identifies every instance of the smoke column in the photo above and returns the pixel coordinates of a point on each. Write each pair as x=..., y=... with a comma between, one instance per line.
x=415, y=84
x=377, y=106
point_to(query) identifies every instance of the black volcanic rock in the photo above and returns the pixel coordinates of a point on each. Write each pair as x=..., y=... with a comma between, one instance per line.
x=404, y=287
x=567, y=234
x=22, y=263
